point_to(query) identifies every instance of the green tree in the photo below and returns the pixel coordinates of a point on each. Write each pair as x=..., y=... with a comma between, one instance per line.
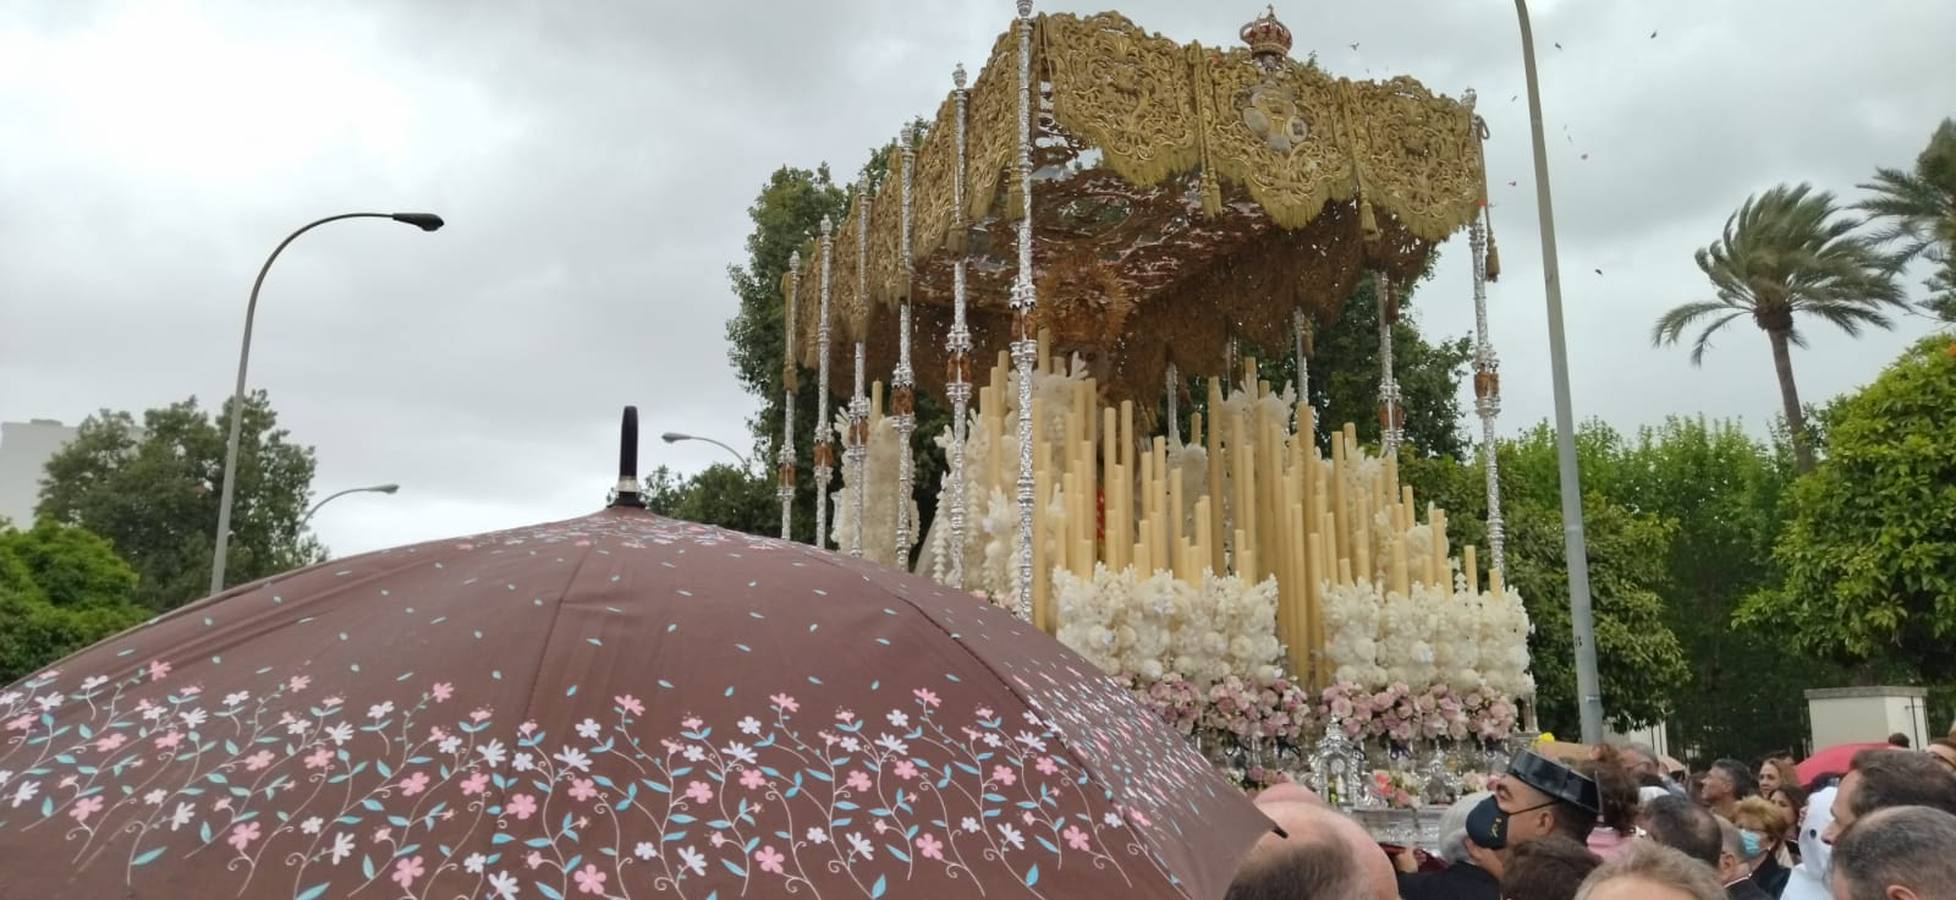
x=722, y=495
x=1787, y=253
x=1640, y=661
x=1917, y=210
x=61, y=589
x=1868, y=553
x=152, y=491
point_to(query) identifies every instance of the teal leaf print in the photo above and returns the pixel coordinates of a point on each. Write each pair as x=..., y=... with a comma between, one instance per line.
x=734, y=867
x=147, y=857
x=547, y=891
x=1032, y=875
x=876, y=890
x=314, y=892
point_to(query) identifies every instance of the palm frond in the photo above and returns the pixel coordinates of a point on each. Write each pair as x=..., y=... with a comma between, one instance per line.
x=1671, y=325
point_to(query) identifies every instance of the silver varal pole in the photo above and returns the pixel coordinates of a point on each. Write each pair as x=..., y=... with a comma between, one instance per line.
x=1024, y=303
x=785, y=457
x=958, y=350
x=903, y=383
x=824, y=448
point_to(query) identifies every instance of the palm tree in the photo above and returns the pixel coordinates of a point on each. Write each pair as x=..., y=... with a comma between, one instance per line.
x=1786, y=253
x=1918, y=212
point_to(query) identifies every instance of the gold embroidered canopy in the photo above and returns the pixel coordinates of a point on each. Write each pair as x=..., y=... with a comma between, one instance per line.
x=1182, y=195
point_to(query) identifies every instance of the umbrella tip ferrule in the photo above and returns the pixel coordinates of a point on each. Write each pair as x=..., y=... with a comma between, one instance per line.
x=626, y=492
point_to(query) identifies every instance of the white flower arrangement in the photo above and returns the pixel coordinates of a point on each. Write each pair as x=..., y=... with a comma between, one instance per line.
x=1150, y=627
x=879, y=503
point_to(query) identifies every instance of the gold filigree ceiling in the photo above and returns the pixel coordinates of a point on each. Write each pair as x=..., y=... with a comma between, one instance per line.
x=1182, y=195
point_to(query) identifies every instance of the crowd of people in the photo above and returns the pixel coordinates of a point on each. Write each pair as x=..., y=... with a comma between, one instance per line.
x=1622, y=824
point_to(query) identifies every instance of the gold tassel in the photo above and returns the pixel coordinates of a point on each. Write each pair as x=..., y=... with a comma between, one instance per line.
x=1211, y=193
x=1368, y=222
x=1493, y=258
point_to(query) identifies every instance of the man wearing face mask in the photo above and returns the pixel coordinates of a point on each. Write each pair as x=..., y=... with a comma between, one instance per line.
x=1739, y=851
x=1539, y=797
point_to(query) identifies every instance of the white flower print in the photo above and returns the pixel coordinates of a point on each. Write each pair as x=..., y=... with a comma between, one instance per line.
x=342, y=847
x=340, y=733
x=312, y=825
x=852, y=745
x=898, y=718
x=25, y=791
x=523, y=762
x=94, y=681
x=817, y=835
x=1011, y=836
x=1031, y=742
x=992, y=739
x=474, y=862
x=297, y=726
x=381, y=710
x=492, y=753
x=694, y=753
x=749, y=725
x=1111, y=819
x=504, y=884
x=573, y=758
x=193, y=717
x=8, y=698
x=692, y=860
x=969, y=824
x=449, y=744
x=589, y=729
x=156, y=797
x=185, y=812
x=861, y=845
x=49, y=701
x=645, y=850
x=152, y=713
x=740, y=752
x=236, y=698
x=893, y=744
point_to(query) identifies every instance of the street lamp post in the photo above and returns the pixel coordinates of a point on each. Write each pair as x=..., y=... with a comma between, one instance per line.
x=370, y=489
x=423, y=221
x=1589, y=692
x=674, y=437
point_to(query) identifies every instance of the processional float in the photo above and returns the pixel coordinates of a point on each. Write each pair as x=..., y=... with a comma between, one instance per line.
x=1112, y=214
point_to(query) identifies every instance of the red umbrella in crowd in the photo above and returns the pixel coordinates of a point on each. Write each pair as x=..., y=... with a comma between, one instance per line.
x=1834, y=760
x=614, y=706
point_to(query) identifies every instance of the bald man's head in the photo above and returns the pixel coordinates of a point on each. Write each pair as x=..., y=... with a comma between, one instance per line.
x=1322, y=854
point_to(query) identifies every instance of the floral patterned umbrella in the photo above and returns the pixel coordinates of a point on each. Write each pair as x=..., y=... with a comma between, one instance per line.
x=615, y=706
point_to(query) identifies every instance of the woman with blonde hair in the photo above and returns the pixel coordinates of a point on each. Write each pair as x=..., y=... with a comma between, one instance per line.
x=1652, y=871
x=1762, y=828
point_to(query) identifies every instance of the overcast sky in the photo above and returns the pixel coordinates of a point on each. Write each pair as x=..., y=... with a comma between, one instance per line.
x=595, y=161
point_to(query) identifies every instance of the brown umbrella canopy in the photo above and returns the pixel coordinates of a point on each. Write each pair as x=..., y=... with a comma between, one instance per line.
x=614, y=706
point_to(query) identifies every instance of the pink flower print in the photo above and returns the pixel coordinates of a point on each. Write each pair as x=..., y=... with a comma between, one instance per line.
x=534, y=860
x=383, y=834
x=882, y=826
x=752, y=779
x=442, y=691
x=20, y=723
x=691, y=723
x=332, y=701
x=437, y=733
x=717, y=840
x=1027, y=817
x=785, y=702
x=583, y=789
x=526, y=728
x=260, y=760
x=930, y=847
x=241, y=836
x=474, y=784
x=1004, y=775
x=522, y=806
x=220, y=805
x=905, y=770
x=770, y=859
x=88, y=806
x=699, y=792
x=983, y=712
x=844, y=716
x=589, y=880
x=479, y=715
x=630, y=704
x=158, y=669
x=927, y=697
x=1138, y=817
x=858, y=780
x=319, y=758
x=110, y=742
x=1046, y=766
x=1076, y=838
x=193, y=690
x=414, y=784
x=406, y=871
x=298, y=683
